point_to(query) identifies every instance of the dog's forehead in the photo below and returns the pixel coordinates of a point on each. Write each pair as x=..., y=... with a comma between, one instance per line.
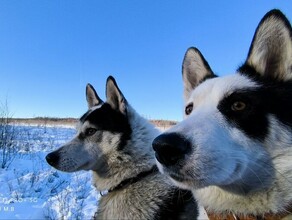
x=81, y=126
x=215, y=89
x=82, y=120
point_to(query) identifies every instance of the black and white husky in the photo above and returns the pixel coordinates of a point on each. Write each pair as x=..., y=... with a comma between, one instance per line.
x=115, y=143
x=234, y=147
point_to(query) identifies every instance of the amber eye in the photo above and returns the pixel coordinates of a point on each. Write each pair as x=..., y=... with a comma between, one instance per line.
x=189, y=109
x=238, y=106
x=90, y=131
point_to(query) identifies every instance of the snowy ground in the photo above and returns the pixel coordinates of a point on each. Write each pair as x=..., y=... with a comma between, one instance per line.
x=31, y=189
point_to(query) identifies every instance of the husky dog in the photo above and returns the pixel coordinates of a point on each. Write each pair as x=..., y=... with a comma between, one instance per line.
x=234, y=147
x=115, y=143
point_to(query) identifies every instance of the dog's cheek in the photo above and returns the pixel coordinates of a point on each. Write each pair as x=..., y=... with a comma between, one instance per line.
x=102, y=167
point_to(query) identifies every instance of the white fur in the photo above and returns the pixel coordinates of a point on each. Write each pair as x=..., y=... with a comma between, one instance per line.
x=220, y=148
x=228, y=170
x=208, y=94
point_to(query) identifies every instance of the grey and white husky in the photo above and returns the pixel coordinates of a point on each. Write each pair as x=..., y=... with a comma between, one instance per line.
x=234, y=147
x=115, y=143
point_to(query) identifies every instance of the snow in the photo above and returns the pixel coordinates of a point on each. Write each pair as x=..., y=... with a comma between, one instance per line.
x=31, y=189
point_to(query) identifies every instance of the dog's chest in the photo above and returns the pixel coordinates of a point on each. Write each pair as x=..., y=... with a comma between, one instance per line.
x=121, y=206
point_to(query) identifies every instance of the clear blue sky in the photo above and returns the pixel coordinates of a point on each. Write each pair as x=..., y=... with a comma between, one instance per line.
x=50, y=49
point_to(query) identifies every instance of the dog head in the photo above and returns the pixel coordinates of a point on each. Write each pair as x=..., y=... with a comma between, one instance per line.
x=235, y=126
x=104, y=140
x=102, y=128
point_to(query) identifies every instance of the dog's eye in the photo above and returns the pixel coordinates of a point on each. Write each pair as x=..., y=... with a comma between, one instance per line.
x=189, y=109
x=90, y=131
x=238, y=106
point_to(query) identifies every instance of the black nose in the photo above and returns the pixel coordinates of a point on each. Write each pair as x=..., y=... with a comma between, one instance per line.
x=52, y=158
x=170, y=148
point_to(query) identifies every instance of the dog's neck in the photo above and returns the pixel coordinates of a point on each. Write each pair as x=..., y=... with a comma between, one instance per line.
x=123, y=184
x=266, y=216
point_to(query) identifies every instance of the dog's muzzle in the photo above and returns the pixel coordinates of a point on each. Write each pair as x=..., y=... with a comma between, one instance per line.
x=170, y=148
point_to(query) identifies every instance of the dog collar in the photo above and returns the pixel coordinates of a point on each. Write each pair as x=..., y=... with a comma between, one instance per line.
x=132, y=180
x=267, y=216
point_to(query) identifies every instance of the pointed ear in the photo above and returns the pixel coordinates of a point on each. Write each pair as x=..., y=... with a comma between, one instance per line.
x=270, y=53
x=195, y=69
x=114, y=96
x=92, y=97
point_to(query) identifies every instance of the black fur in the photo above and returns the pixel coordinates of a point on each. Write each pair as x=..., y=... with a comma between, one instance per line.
x=178, y=203
x=106, y=118
x=249, y=71
x=135, y=179
x=270, y=98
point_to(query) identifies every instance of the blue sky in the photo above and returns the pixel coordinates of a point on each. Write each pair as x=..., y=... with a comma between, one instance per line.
x=50, y=50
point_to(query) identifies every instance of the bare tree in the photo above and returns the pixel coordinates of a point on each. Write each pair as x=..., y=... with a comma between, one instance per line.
x=8, y=147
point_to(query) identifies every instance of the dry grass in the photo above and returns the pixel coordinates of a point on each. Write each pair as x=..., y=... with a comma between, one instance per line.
x=45, y=121
x=73, y=121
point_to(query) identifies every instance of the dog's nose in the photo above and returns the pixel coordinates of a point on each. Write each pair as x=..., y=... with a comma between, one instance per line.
x=170, y=148
x=52, y=159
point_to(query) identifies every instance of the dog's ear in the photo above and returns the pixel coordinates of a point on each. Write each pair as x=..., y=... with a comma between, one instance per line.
x=195, y=69
x=114, y=96
x=92, y=97
x=270, y=53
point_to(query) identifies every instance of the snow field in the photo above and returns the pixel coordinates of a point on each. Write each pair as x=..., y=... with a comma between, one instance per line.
x=31, y=189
